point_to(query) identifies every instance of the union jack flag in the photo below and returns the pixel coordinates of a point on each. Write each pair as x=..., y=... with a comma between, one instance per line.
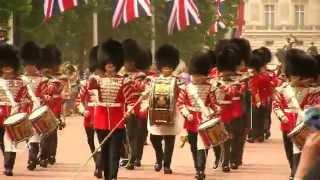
x=183, y=13
x=220, y=7
x=129, y=10
x=240, y=19
x=55, y=7
x=218, y=24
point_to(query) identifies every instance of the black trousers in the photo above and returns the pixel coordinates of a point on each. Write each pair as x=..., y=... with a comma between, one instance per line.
x=48, y=145
x=1, y=139
x=110, y=154
x=288, y=147
x=9, y=160
x=259, y=118
x=268, y=120
x=232, y=147
x=90, y=140
x=137, y=133
x=165, y=155
x=193, y=139
x=33, y=153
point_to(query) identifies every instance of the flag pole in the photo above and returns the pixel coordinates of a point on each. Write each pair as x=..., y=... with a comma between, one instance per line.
x=153, y=32
x=95, y=28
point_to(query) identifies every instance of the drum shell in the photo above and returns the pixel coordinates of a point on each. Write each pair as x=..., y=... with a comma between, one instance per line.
x=164, y=91
x=44, y=123
x=300, y=134
x=20, y=130
x=214, y=134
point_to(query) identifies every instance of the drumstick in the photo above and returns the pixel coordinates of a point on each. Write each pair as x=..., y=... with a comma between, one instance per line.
x=105, y=139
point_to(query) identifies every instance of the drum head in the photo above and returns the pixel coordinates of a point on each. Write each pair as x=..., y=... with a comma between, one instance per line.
x=15, y=118
x=38, y=112
x=208, y=124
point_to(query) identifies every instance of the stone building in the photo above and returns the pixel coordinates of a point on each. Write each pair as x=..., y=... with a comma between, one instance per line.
x=270, y=22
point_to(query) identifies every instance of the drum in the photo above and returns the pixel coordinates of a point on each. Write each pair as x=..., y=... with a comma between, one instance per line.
x=43, y=120
x=300, y=134
x=18, y=127
x=163, y=101
x=213, y=132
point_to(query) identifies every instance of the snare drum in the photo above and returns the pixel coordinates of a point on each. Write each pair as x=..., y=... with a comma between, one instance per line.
x=18, y=127
x=213, y=132
x=300, y=134
x=43, y=120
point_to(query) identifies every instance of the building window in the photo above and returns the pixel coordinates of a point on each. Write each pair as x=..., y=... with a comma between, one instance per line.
x=269, y=15
x=299, y=15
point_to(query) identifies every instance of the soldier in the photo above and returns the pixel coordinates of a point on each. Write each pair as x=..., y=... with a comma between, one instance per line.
x=86, y=104
x=163, y=123
x=293, y=96
x=50, y=63
x=37, y=84
x=113, y=94
x=198, y=67
x=14, y=97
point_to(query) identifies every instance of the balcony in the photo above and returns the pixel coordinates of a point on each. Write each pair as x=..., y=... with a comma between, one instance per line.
x=276, y=28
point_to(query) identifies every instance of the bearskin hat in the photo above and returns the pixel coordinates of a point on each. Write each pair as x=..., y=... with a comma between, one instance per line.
x=244, y=47
x=131, y=50
x=298, y=63
x=167, y=56
x=200, y=63
x=228, y=59
x=111, y=52
x=30, y=53
x=56, y=54
x=93, y=59
x=266, y=54
x=47, y=59
x=9, y=57
x=317, y=57
x=221, y=44
x=144, y=60
x=257, y=60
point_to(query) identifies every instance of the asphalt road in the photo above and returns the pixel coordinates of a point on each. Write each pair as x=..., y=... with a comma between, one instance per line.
x=262, y=161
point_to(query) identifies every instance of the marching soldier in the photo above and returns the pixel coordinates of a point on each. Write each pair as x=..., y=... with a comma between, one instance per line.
x=113, y=95
x=86, y=104
x=198, y=67
x=50, y=62
x=293, y=96
x=37, y=84
x=14, y=99
x=163, y=122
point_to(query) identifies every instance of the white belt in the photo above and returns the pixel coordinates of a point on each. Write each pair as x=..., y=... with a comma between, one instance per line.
x=105, y=104
x=225, y=102
x=5, y=104
x=56, y=96
x=290, y=110
x=194, y=109
x=236, y=98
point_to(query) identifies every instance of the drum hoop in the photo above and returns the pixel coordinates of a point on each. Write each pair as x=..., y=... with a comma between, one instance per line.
x=209, y=126
x=16, y=122
x=44, y=106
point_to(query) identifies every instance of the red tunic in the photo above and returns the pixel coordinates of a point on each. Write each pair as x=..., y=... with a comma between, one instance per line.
x=284, y=106
x=88, y=100
x=54, y=93
x=187, y=104
x=113, y=94
x=17, y=94
x=262, y=86
x=227, y=94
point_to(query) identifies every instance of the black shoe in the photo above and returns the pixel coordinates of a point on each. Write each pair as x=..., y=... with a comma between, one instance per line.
x=234, y=166
x=137, y=163
x=157, y=167
x=31, y=166
x=8, y=172
x=167, y=170
x=52, y=160
x=260, y=139
x=43, y=163
x=267, y=135
x=98, y=174
x=130, y=166
x=200, y=175
x=216, y=165
x=250, y=140
x=226, y=169
x=124, y=162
